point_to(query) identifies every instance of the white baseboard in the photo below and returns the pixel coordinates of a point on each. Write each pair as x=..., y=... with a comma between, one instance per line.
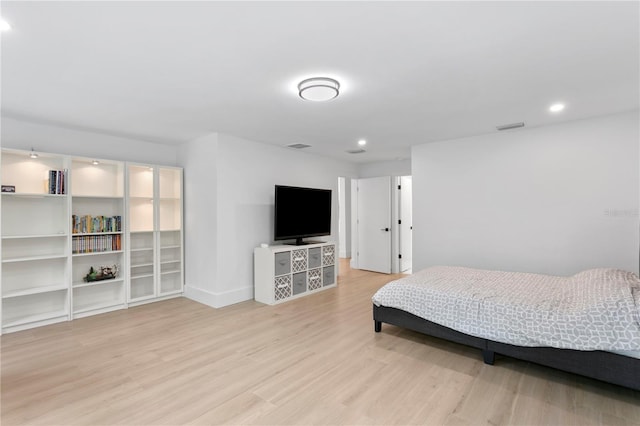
x=218, y=300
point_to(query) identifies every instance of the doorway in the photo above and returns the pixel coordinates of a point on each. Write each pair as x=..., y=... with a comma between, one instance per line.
x=382, y=224
x=405, y=225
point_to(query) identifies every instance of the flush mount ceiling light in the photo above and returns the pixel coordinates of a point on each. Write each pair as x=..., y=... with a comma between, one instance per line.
x=318, y=89
x=556, y=107
x=362, y=142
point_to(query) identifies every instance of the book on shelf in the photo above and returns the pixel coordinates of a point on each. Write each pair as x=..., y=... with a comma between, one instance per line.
x=57, y=181
x=96, y=243
x=88, y=224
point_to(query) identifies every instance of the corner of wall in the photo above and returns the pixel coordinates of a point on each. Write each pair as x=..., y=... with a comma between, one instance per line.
x=218, y=300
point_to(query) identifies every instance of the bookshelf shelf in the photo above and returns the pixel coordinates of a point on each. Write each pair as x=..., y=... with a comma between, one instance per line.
x=28, y=319
x=136, y=277
x=141, y=250
x=87, y=234
x=21, y=237
x=98, y=197
x=142, y=265
x=32, y=195
x=34, y=258
x=35, y=290
x=81, y=284
x=97, y=306
x=97, y=253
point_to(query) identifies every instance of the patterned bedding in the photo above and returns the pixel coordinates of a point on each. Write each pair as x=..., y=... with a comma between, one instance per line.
x=597, y=309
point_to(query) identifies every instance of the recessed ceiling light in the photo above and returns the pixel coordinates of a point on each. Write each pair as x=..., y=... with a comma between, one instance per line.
x=362, y=142
x=318, y=89
x=556, y=107
x=4, y=25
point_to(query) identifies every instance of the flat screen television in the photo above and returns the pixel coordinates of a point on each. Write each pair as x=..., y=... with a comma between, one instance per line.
x=301, y=213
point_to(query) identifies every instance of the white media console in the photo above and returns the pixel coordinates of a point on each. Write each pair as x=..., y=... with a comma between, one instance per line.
x=285, y=272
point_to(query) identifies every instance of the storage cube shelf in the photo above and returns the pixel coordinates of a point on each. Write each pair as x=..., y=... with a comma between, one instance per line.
x=44, y=259
x=285, y=272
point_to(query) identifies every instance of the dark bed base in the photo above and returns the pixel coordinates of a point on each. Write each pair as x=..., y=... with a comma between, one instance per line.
x=606, y=366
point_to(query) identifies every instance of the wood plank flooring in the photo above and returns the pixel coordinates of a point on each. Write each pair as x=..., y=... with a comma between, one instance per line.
x=314, y=360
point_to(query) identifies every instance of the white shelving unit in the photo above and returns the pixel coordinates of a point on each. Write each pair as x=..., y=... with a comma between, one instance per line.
x=97, y=189
x=35, y=243
x=155, y=233
x=286, y=272
x=44, y=258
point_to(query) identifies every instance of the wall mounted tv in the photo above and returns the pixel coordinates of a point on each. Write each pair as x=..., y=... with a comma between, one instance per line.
x=301, y=213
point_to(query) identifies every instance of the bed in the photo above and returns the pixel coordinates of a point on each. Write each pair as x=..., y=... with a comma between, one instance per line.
x=587, y=324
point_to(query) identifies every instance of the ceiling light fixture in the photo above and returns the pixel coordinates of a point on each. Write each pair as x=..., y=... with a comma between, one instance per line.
x=95, y=162
x=318, y=89
x=33, y=154
x=362, y=142
x=4, y=25
x=556, y=107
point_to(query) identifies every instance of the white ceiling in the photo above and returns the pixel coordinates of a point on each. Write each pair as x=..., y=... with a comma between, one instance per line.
x=411, y=72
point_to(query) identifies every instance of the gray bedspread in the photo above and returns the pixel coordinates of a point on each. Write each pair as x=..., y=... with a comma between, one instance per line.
x=598, y=309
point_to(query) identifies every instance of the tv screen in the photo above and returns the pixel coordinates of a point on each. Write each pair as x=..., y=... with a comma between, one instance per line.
x=301, y=213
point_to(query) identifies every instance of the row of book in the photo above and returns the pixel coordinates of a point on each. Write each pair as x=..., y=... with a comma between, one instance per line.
x=96, y=243
x=58, y=181
x=88, y=224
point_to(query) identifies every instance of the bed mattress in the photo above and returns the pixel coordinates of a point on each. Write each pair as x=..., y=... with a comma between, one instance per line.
x=598, y=309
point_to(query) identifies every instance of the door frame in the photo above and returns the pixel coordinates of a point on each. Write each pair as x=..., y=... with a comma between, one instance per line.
x=394, y=229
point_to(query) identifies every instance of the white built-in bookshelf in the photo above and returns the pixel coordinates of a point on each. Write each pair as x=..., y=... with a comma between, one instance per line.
x=97, y=237
x=35, y=243
x=155, y=232
x=102, y=213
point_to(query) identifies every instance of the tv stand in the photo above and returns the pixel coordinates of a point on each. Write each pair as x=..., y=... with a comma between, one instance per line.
x=286, y=272
x=301, y=242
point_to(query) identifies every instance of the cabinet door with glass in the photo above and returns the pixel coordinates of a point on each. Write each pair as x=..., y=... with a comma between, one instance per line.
x=155, y=231
x=170, y=230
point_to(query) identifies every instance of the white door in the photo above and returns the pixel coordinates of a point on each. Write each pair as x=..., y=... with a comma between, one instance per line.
x=374, y=224
x=406, y=224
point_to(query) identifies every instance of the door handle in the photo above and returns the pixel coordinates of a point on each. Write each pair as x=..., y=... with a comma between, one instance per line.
x=384, y=229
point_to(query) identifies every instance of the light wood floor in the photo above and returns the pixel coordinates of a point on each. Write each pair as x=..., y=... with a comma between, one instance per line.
x=315, y=360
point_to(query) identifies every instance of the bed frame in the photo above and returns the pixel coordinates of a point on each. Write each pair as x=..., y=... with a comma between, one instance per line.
x=606, y=366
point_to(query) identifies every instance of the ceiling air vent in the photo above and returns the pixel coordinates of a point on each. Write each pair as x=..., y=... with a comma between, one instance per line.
x=298, y=146
x=356, y=151
x=510, y=126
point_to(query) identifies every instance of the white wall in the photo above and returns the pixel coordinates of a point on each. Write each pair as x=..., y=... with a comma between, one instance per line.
x=199, y=160
x=345, y=217
x=242, y=178
x=385, y=168
x=20, y=134
x=555, y=199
